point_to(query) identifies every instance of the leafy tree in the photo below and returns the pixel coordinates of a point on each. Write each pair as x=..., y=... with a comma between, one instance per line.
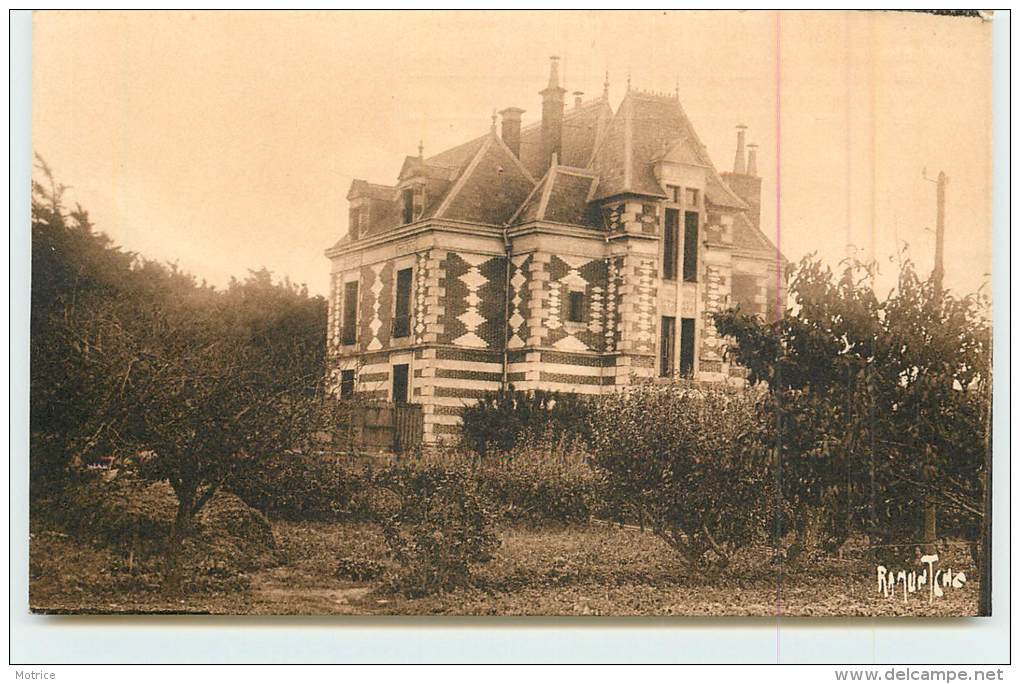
x=280, y=321
x=133, y=357
x=878, y=405
x=77, y=273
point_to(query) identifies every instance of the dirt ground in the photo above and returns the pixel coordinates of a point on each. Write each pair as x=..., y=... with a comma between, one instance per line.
x=577, y=570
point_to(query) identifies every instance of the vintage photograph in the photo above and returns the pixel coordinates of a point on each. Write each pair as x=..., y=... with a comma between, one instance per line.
x=539, y=313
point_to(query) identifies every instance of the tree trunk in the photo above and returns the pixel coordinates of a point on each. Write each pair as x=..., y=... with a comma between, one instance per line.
x=182, y=522
x=809, y=524
x=928, y=531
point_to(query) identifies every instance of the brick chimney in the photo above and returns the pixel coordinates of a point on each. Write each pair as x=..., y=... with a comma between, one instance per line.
x=744, y=179
x=738, y=160
x=512, y=129
x=578, y=94
x=552, y=114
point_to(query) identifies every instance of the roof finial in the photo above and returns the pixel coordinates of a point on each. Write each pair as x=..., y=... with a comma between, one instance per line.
x=605, y=86
x=493, y=125
x=628, y=80
x=421, y=149
x=676, y=92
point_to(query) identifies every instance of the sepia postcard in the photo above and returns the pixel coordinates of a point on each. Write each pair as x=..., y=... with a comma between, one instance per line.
x=566, y=313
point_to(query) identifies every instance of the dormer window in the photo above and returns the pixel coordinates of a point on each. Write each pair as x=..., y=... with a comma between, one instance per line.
x=412, y=203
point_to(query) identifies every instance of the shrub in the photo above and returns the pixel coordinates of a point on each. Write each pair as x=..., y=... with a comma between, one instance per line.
x=134, y=517
x=532, y=487
x=688, y=458
x=435, y=525
x=499, y=421
x=300, y=487
x=358, y=569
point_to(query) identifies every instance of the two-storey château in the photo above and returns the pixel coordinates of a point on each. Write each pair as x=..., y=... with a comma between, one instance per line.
x=577, y=254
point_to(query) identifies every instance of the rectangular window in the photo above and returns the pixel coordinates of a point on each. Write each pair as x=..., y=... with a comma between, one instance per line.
x=400, y=383
x=349, y=335
x=691, y=197
x=686, y=347
x=674, y=194
x=670, y=241
x=408, y=201
x=667, y=347
x=402, y=314
x=575, y=312
x=690, y=247
x=346, y=383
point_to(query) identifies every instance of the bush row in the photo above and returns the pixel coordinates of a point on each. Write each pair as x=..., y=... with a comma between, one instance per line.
x=527, y=488
x=301, y=487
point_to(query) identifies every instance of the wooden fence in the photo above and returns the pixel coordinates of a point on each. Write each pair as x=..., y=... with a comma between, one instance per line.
x=385, y=426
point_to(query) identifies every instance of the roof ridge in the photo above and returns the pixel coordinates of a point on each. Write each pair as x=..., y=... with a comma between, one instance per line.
x=510, y=153
x=546, y=192
x=461, y=180
x=540, y=185
x=654, y=94
x=576, y=170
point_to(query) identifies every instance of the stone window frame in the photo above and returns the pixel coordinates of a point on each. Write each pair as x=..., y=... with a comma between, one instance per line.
x=402, y=358
x=570, y=326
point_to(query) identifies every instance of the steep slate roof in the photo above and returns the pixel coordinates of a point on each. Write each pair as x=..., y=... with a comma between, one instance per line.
x=581, y=128
x=748, y=236
x=603, y=154
x=644, y=129
x=458, y=156
x=562, y=196
x=362, y=188
x=490, y=187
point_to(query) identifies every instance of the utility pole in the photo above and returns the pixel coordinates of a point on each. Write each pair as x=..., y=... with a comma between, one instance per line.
x=930, y=532
x=940, y=229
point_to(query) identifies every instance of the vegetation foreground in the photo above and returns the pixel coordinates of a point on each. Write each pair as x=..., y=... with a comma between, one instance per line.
x=562, y=570
x=189, y=454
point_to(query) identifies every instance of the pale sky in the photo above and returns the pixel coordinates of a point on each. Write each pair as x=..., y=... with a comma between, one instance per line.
x=227, y=141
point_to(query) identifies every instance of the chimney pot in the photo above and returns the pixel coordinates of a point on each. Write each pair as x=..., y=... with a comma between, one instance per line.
x=512, y=129
x=577, y=97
